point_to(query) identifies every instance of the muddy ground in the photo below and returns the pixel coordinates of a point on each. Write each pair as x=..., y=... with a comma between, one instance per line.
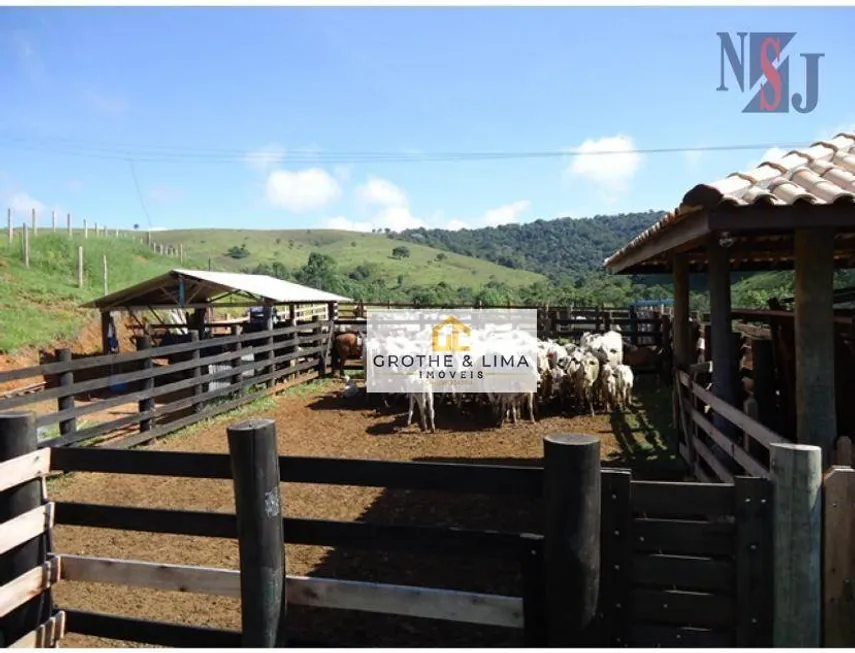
x=320, y=423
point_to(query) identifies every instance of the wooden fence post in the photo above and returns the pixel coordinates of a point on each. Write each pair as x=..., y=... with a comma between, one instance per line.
x=35, y=224
x=147, y=385
x=797, y=529
x=196, y=372
x=18, y=438
x=633, y=326
x=255, y=470
x=66, y=379
x=268, y=355
x=237, y=363
x=85, y=229
x=11, y=228
x=572, y=487
x=26, y=246
x=317, y=329
x=80, y=266
x=68, y=224
x=53, y=220
x=838, y=561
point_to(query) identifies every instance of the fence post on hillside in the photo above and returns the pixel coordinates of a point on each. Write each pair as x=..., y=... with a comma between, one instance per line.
x=53, y=220
x=838, y=562
x=26, y=246
x=35, y=223
x=11, y=228
x=255, y=469
x=68, y=224
x=18, y=438
x=237, y=363
x=571, y=488
x=797, y=536
x=146, y=404
x=65, y=402
x=85, y=229
x=80, y=266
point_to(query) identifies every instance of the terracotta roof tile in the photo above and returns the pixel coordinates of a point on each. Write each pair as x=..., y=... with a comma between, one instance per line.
x=823, y=173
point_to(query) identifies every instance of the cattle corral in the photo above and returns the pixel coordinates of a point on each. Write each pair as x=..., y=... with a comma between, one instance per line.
x=663, y=543
x=318, y=422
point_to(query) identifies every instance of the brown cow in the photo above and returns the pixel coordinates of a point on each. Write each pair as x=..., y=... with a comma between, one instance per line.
x=649, y=356
x=346, y=346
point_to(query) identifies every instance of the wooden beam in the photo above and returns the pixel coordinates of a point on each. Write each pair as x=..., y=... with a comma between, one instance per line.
x=690, y=229
x=816, y=415
x=682, y=335
x=776, y=219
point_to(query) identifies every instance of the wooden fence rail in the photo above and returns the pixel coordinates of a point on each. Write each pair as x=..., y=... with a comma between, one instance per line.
x=205, y=377
x=713, y=454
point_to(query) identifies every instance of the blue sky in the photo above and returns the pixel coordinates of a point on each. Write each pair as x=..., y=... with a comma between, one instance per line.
x=232, y=116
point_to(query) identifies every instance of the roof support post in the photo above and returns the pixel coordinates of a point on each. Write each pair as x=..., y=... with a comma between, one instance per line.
x=816, y=416
x=724, y=377
x=680, y=323
x=105, y=332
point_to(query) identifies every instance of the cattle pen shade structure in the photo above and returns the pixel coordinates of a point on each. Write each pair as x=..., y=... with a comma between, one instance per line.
x=201, y=290
x=797, y=212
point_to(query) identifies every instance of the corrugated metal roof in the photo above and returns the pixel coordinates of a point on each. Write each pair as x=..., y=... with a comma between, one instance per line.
x=210, y=284
x=823, y=173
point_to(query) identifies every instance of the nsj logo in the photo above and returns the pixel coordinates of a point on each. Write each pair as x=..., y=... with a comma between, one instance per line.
x=451, y=342
x=764, y=50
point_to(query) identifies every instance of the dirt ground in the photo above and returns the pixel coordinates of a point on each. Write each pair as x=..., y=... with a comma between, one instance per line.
x=318, y=422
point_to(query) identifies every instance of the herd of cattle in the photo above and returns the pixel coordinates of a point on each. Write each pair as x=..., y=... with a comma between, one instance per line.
x=593, y=373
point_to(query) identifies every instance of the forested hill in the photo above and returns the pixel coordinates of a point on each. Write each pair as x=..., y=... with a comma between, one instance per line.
x=559, y=248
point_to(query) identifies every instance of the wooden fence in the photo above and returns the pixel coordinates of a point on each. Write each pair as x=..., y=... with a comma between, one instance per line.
x=656, y=563
x=640, y=326
x=718, y=440
x=161, y=389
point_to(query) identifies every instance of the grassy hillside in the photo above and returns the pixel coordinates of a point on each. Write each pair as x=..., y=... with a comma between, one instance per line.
x=291, y=248
x=40, y=305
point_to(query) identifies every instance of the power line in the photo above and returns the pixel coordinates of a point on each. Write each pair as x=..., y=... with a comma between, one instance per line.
x=139, y=192
x=177, y=154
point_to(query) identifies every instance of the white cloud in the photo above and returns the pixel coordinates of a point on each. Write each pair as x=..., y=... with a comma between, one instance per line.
x=24, y=203
x=345, y=224
x=398, y=218
x=302, y=190
x=610, y=162
x=505, y=214
x=456, y=225
x=265, y=157
x=381, y=192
